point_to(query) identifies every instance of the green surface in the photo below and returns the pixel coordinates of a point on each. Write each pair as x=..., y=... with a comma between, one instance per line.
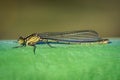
x=64, y=62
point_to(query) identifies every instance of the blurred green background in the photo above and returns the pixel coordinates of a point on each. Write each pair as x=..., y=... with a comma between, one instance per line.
x=23, y=17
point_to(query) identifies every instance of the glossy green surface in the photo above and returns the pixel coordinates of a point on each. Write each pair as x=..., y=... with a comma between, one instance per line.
x=64, y=62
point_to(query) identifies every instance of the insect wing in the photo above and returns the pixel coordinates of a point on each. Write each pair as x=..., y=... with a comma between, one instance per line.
x=72, y=36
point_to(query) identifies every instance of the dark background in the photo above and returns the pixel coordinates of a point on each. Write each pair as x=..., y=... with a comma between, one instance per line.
x=23, y=17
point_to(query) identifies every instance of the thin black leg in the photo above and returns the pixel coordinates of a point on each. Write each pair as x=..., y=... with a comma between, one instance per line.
x=18, y=46
x=34, y=48
x=48, y=44
x=23, y=45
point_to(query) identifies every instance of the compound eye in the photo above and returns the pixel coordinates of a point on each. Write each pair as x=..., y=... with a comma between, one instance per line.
x=21, y=40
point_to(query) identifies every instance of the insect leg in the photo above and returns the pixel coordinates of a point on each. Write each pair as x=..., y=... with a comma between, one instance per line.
x=32, y=44
x=34, y=48
x=46, y=41
x=19, y=46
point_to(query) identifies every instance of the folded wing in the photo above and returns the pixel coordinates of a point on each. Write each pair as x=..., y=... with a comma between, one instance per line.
x=72, y=36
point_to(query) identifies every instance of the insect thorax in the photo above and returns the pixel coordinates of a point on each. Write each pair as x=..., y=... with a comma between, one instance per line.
x=32, y=39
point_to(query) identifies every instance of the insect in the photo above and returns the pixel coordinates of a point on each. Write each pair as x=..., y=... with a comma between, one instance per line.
x=80, y=36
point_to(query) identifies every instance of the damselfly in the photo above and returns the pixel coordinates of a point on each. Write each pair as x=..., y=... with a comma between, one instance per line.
x=81, y=36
